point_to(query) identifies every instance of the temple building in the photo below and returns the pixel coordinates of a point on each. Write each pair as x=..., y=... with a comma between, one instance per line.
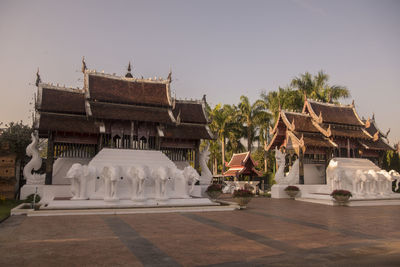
x=118, y=112
x=322, y=131
x=242, y=164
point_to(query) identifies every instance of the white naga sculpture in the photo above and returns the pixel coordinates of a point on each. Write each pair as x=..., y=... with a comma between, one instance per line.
x=360, y=176
x=292, y=177
x=138, y=176
x=34, y=164
x=79, y=176
x=206, y=176
x=110, y=175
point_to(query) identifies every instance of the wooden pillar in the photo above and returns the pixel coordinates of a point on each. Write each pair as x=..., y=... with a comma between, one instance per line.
x=301, y=166
x=132, y=133
x=50, y=158
x=197, y=155
x=348, y=147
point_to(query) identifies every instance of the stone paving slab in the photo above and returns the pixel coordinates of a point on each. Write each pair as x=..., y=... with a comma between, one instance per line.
x=270, y=232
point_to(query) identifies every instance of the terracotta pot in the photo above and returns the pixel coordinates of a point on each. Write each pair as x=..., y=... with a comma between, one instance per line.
x=243, y=201
x=213, y=195
x=341, y=200
x=292, y=193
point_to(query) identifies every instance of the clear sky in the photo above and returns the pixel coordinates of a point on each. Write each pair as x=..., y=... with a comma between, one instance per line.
x=223, y=49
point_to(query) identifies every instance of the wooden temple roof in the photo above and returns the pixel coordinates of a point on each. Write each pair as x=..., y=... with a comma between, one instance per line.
x=73, y=100
x=242, y=164
x=113, y=89
x=375, y=145
x=300, y=121
x=103, y=110
x=110, y=97
x=188, y=132
x=373, y=129
x=190, y=111
x=63, y=123
x=328, y=113
x=320, y=124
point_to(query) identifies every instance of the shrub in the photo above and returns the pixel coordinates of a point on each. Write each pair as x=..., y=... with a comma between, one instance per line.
x=214, y=187
x=341, y=192
x=292, y=188
x=29, y=199
x=242, y=193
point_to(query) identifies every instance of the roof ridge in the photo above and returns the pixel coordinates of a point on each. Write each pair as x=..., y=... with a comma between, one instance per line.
x=297, y=113
x=330, y=104
x=61, y=88
x=160, y=80
x=189, y=101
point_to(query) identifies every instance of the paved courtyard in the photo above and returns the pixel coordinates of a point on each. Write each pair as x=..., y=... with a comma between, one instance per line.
x=270, y=232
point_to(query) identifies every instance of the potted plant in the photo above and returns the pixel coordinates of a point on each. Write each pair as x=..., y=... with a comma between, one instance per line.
x=242, y=197
x=292, y=190
x=341, y=196
x=214, y=191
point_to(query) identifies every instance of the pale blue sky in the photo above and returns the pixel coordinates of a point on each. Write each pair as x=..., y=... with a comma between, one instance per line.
x=223, y=49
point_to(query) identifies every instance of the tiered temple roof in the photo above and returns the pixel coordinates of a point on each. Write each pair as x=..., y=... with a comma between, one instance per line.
x=323, y=126
x=111, y=97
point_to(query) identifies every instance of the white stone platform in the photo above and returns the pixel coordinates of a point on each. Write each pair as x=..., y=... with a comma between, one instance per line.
x=112, y=211
x=149, y=203
x=278, y=190
x=326, y=199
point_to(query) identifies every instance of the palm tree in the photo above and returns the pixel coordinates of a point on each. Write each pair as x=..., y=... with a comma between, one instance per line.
x=317, y=87
x=251, y=116
x=285, y=98
x=222, y=117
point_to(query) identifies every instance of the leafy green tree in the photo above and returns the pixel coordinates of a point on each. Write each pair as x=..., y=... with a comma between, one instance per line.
x=17, y=137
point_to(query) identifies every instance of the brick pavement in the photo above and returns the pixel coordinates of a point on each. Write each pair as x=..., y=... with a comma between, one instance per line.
x=270, y=232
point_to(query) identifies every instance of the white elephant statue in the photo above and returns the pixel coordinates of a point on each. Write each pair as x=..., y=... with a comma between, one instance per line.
x=161, y=176
x=180, y=183
x=79, y=176
x=110, y=176
x=138, y=176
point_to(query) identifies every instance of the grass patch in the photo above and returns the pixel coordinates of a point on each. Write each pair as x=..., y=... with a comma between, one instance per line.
x=6, y=206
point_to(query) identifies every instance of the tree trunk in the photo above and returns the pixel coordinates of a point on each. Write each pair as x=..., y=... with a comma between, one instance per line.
x=223, y=153
x=249, y=139
x=215, y=169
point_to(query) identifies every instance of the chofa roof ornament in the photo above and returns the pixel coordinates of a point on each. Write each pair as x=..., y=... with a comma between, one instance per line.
x=84, y=68
x=129, y=74
x=38, y=79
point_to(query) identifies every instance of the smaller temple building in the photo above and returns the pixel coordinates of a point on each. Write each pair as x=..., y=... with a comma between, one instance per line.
x=242, y=165
x=323, y=131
